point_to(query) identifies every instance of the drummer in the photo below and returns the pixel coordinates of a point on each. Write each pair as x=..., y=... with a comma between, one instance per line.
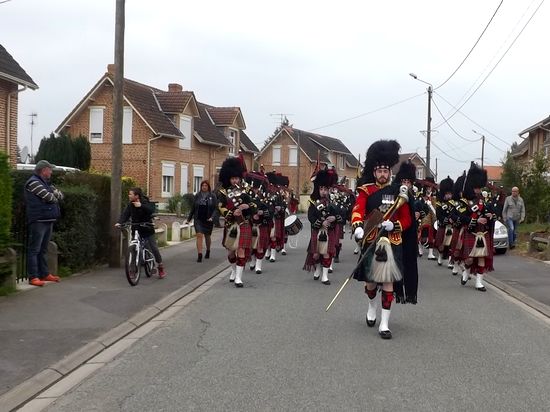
x=323, y=218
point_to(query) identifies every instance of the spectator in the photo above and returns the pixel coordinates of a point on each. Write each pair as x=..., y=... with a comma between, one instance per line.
x=201, y=213
x=513, y=213
x=140, y=210
x=42, y=209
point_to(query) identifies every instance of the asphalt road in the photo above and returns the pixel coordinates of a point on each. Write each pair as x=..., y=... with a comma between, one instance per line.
x=271, y=346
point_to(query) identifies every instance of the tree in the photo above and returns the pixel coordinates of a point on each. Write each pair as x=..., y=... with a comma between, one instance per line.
x=63, y=150
x=536, y=189
x=512, y=173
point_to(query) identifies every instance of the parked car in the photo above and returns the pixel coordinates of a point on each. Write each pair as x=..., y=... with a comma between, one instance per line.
x=29, y=166
x=500, y=238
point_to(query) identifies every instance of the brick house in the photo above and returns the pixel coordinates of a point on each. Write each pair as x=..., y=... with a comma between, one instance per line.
x=12, y=76
x=281, y=153
x=536, y=138
x=417, y=160
x=171, y=141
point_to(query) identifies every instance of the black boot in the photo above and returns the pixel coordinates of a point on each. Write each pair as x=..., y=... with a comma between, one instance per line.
x=207, y=254
x=199, y=259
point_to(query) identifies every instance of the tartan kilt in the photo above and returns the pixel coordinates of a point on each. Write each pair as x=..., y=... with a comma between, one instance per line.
x=440, y=237
x=332, y=242
x=245, y=235
x=339, y=228
x=279, y=233
x=469, y=245
x=426, y=232
x=457, y=242
x=263, y=238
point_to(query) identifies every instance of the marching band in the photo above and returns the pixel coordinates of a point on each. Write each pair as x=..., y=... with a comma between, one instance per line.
x=393, y=222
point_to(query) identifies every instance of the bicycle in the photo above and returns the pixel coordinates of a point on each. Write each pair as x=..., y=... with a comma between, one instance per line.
x=138, y=255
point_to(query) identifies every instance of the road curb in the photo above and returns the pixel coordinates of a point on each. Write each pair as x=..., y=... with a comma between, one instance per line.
x=522, y=297
x=30, y=388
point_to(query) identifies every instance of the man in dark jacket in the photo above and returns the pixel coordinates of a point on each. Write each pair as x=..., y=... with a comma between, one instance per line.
x=42, y=210
x=140, y=210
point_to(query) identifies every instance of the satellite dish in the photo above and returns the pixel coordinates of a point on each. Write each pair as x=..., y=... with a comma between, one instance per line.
x=24, y=154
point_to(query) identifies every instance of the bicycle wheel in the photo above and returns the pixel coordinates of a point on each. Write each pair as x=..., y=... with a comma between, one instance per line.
x=132, y=265
x=149, y=263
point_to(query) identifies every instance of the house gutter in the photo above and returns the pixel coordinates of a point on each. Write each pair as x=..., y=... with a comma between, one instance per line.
x=8, y=123
x=149, y=163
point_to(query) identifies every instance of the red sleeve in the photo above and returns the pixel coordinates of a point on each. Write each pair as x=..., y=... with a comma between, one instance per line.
x=358, y=211
x=403, y=216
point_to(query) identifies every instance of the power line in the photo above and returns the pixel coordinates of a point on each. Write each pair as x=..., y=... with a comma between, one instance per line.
x=497, y=63
x=473, y=47
x=367, y=113
x=473, y=121
x=451, y=127
x=449, y=156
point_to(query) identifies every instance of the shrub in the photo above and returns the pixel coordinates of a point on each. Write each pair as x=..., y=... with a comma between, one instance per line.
x=187, y=203
x=75, y=232
x=63, y=150
x=173, y=203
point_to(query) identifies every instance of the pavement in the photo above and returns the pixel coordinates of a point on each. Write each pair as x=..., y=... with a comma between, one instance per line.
x=49, y=332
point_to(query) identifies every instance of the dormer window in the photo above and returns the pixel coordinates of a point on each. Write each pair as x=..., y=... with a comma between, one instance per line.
x=186, y=128
x=232, y=139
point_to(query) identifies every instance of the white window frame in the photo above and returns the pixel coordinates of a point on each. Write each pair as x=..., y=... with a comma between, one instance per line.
x=187, y=131
x=291, y=149
x=232, y=137
x=95, y=129
x=420, y=173
x=168, y=169
x=127, y=125
x=278, y=161
x=184, y=181
x=341, y=162
x=198, y=171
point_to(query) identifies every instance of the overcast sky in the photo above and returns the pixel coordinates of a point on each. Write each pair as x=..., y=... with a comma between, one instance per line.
x=320, y=62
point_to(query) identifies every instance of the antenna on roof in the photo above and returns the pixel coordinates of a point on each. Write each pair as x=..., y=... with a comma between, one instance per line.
x=283, y=117
x=32, y=116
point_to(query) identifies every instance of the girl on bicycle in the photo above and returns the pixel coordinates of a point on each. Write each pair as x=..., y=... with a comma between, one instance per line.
x=140, y=210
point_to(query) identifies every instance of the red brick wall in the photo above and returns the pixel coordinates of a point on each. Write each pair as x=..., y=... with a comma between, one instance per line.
x=135, y=155
x=5, y=89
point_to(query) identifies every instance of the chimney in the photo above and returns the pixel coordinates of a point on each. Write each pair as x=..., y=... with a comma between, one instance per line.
x=111, y=69
x=174, y=87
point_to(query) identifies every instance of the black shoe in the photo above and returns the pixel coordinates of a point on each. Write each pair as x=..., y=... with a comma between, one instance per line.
x=283, y=253
x=199, y=259
x=326, y=282
x=258, y=272
x=330, y=270
x=512, y=247
x=336, y=259
x=371, y=323
x=385, y=334
x=463, y=282
x=232, y=280
x=482, y=289
x=316, y=277
x=239, y=285
x=207, y=255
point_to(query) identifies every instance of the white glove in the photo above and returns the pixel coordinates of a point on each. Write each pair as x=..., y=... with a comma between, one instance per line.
x=387, y=225
x=359, y=233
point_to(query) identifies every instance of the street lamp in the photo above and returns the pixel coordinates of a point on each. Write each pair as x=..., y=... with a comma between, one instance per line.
x=429, y=128
x=482, y=146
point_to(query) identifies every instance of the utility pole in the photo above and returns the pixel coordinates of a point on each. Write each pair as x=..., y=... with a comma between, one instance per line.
x=32, y=116
x=429, y=130
x=298, y=138
x=482, y=146
x=116, y=152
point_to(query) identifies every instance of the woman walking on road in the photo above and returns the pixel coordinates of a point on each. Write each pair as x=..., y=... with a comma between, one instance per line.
x=201, y=213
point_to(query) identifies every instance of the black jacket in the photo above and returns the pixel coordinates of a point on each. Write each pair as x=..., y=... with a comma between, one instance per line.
x=143, y=214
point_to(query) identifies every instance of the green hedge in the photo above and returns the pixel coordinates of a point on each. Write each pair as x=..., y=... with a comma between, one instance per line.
x=6, y=191
x=75, y=233
x=97, y=186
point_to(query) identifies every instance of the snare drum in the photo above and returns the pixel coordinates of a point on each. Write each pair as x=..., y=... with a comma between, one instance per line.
x=293, y=225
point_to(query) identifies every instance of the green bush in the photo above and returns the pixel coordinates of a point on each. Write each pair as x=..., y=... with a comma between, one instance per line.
x=75, y=233
x=99, y=186
x=173, y=203
x=63, y=150
x=187, y=203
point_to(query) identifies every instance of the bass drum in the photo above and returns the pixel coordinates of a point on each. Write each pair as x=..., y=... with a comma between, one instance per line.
x=292, y=225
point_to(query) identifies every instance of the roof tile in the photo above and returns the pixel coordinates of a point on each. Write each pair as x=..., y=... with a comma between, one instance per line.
x=9, y=67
